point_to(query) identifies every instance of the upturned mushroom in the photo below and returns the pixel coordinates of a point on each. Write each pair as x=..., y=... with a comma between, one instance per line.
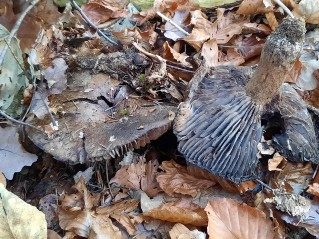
x=219, y=126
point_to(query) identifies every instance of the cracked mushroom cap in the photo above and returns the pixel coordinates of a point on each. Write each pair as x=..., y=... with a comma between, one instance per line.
x=98, y=119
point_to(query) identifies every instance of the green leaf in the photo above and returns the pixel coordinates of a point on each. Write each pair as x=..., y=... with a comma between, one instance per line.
x=12, y=78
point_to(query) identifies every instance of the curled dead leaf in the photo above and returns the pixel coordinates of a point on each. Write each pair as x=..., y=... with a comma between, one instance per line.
x=182, y=211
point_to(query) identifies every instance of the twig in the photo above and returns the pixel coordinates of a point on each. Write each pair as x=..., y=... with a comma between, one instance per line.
x=173, y=23
x=15, y=29
x=283, y=6
x=18, y=121
x=264, y=184
x=88, y=21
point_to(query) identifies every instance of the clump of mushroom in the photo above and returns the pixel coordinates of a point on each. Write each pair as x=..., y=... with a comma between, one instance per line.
x=219, y=126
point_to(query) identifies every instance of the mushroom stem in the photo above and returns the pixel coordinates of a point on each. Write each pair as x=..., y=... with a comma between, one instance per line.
x=280, y=52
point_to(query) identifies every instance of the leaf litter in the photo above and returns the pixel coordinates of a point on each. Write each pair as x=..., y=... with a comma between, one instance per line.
x=103, y=103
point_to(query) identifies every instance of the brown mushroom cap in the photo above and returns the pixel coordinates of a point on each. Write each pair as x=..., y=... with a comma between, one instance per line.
x=131, y=122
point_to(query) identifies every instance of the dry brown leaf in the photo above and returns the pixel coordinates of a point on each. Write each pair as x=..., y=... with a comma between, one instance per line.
x=255, y=28
x=314, y=189
x=53, y=235
x=126, y=222
x=179, y=231
x=170, y=54
x=139, y=176
x=224, y=34
x=210, y=53
x=3, y=179
x=248, y=7
x=272, y=21
x=249, y=47
x=176, y=180
x=202, y=31
x=78, y=213
x=276, y=160
x=182, y=211
x=229, y=219
x=232, y=57
x=100, y=11
x=294, y=177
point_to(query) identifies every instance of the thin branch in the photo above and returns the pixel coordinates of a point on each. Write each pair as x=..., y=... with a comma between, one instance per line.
x=88, y=21
x=8, y=117
x=15, y=29
x=173, y=23
x=264, y=184
x=286, y=9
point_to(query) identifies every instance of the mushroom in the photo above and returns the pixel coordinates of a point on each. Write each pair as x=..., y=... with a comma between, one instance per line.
x=100, y=118
x=219, y=126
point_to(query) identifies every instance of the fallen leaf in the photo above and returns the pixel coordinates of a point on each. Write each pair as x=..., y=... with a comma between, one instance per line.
x=13, y=156
x=179, y=231
x=248, y=7
x=171, y=54
x=275, y=162
x=15, y=217
x=12, y=78
x=53, y=235
x=313, y=189
x=309, y=9
x=210, y=53
x=181, y=211
x=176, y=180
x=227, y=218
x=294, y=177
x=3, y=179
x=101, y=11
x=140, y=175
x=79, y=213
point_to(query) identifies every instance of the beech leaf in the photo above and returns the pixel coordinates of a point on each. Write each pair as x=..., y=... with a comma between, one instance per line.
x=227, y=218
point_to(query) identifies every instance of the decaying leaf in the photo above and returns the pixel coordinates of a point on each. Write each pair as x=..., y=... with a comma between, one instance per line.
x=176, y=180
x=13, y=156
x=15, y=217
x=294, y=177
x=314, y=189
x=179, y=231
x=181, y=211
x=229, y=219
x=210, y=53
x=254, y=7
x=275, y=162
x=101, y=11
x=12, y=78
x=78, y=213
x=140, y=175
